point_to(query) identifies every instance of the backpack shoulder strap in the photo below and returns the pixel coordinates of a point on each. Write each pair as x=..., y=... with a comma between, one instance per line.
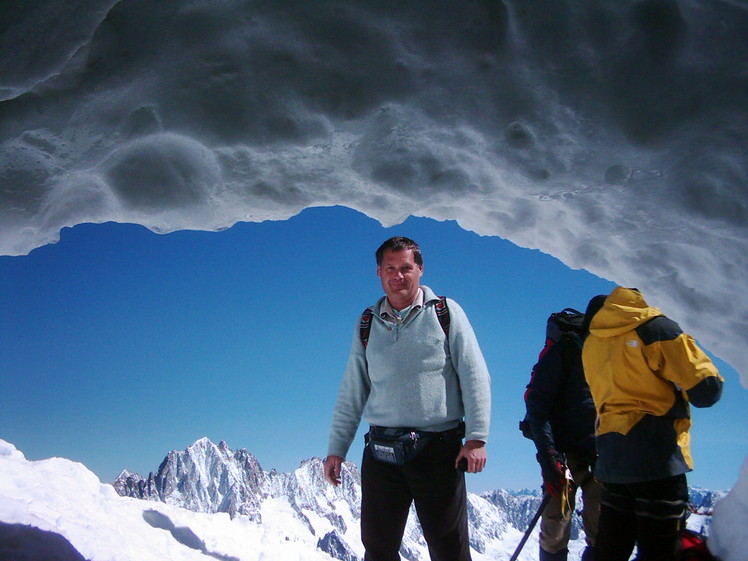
x=442, y=313
x=364, y=327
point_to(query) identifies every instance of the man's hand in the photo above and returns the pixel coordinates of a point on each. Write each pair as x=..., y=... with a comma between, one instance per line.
x=332, y=469
x=474, y=452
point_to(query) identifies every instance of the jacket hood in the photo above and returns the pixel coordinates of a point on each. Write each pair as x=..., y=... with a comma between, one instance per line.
x=624, y=310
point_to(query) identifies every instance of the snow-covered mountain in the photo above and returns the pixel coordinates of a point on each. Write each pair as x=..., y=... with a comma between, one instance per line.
x=203, y=478
x=210, y=478
x=703, y=500
x=57, y=510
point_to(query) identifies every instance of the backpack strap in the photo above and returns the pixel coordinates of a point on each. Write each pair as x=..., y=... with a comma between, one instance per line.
x=442, y=314
x=572, y=344
x=365, y=326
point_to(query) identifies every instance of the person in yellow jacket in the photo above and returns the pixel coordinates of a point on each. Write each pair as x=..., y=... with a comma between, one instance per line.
x=643, y=372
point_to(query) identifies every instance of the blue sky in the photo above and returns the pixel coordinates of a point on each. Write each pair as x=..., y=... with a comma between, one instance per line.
x=118, y=345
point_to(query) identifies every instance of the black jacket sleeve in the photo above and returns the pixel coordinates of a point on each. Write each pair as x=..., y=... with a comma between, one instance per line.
x=706, y=393
x=542, y=393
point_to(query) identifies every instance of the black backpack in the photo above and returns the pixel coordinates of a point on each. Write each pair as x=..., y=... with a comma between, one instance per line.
x=561, y=324
x=566, y=323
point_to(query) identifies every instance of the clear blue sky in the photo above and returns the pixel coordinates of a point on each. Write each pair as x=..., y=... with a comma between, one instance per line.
x=118, y=345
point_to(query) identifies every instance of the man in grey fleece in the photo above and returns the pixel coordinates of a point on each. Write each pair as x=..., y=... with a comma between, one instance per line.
x=423, y=377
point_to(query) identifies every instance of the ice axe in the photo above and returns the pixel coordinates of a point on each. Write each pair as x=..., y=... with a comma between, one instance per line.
x=543, y=503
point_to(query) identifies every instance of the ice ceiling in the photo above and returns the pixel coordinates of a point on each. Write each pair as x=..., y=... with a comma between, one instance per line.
x=611, y=135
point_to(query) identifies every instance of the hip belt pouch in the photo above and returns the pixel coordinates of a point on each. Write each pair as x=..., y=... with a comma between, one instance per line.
x=396, y=445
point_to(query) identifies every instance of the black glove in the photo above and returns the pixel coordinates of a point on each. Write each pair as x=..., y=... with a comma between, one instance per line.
x=553, y=467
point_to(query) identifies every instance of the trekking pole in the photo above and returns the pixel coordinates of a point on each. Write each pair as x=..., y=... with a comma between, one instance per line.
x=534, y=521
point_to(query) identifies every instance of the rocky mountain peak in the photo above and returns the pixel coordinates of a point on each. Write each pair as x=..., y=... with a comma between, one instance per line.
x=212, y=478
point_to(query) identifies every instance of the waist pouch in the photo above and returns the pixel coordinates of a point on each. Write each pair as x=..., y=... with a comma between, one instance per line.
x=398, y=446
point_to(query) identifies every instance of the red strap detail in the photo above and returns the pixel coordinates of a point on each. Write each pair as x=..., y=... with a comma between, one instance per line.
x=365, y=326
x=442, y=312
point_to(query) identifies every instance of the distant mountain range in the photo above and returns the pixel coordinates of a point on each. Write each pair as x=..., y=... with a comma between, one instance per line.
x=210, y=478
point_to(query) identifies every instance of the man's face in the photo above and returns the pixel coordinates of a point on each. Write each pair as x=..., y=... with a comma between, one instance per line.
x=400, y=276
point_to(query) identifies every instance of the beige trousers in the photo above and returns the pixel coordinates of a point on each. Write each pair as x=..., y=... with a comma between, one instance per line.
x=555, y=524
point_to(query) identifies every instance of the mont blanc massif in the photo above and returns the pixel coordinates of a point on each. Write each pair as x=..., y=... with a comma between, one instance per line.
x=209, y=501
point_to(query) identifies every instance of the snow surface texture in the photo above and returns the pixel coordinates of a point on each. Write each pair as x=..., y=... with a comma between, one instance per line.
x=611, y=136
x=58, y=501
x=64, y=498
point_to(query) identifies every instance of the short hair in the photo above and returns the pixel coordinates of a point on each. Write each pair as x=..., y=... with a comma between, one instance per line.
x=400, y=243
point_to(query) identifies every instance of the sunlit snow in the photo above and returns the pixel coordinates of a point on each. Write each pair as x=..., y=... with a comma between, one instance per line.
x=59, y=507
x=62, y=497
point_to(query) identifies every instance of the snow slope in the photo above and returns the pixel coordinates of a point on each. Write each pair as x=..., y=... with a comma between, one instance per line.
x=59, y=504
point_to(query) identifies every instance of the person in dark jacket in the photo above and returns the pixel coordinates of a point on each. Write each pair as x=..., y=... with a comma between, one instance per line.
x=643, y=371
x=561, y=415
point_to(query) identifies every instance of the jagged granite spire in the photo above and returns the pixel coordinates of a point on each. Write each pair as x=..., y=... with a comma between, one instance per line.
x=203, y=478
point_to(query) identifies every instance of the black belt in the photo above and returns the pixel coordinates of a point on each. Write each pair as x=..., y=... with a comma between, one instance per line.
x=393, y=432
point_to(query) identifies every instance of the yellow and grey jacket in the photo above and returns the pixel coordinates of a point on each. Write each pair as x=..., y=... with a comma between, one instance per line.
x=643, y=372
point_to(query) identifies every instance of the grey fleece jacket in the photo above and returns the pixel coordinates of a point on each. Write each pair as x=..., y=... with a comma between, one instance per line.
x=409, y=375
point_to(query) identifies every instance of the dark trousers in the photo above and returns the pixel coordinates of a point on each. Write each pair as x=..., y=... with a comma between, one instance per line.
x=649, y=515
x=438, y=490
